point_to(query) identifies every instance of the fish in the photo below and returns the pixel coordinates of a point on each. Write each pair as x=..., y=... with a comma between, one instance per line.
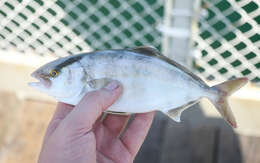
x=150, y=81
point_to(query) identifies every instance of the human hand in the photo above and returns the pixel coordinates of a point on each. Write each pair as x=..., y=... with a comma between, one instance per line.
x=75, y=135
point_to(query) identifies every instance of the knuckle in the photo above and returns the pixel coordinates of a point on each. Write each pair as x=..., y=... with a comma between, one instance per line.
x=97, y=95
x=100, y=97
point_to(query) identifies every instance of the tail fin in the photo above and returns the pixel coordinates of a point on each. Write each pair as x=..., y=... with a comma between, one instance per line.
x=220, y=102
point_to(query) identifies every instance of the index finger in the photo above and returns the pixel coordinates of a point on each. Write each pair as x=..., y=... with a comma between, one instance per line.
x=92, y=105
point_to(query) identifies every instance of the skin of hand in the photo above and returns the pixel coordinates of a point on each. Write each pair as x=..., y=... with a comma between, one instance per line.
x=76, y=134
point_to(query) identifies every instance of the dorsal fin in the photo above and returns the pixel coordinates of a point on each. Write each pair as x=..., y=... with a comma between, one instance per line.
x=184, y=69
x=151, y=51
x=146, y=50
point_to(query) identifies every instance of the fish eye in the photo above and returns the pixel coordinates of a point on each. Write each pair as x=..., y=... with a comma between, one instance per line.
x=53, y=73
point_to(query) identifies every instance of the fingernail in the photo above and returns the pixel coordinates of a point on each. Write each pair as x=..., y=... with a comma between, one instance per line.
x=112, y=85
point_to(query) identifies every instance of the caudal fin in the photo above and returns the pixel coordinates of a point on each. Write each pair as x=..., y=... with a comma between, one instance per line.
x=220, y=101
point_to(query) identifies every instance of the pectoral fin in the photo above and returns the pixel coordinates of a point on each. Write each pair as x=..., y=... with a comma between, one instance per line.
x=98, y=83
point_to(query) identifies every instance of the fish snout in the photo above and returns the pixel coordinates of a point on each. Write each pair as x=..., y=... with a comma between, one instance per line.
x=34, y=74
x=38, y=75
x=43, y=80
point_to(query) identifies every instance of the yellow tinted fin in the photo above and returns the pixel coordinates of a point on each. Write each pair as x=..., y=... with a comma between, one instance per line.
x=175, y=113
x=220, y=101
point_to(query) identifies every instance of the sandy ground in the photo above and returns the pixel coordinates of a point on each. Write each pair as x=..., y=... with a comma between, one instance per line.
x=22, y=128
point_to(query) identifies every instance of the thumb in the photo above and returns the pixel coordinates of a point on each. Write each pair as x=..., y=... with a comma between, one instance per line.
x=92, y=105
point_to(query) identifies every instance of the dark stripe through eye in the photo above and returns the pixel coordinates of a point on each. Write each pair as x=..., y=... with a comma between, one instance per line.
x=68, y=62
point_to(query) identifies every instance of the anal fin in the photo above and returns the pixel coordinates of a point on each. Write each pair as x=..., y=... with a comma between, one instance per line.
x=175, y=113
x=117, y=113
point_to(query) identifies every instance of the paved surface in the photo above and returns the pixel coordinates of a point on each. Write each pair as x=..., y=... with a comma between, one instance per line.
x=197, y=139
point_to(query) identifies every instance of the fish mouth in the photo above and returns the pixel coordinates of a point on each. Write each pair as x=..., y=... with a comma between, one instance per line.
x=43, y=82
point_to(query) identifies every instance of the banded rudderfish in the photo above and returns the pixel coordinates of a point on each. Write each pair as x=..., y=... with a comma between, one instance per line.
x=150, y=81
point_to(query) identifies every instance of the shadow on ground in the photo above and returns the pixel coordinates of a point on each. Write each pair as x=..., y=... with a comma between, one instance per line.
x=197, y=139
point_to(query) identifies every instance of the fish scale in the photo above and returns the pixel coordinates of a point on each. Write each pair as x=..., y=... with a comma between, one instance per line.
x=150, y=80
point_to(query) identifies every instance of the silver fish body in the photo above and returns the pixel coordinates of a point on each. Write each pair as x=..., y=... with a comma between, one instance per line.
x=150, y=81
